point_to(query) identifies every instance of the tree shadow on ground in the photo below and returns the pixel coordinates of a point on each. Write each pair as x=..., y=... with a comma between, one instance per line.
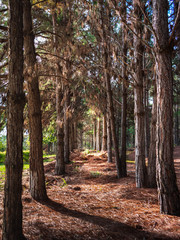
x=110, y=229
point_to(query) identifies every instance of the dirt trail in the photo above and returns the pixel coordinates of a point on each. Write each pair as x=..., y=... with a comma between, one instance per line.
x=89, y=202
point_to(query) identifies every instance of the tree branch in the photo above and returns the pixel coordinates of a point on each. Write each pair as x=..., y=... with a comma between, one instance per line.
x=38, y=2
x=177, y=21
x=127, y=25
x=3, y=10
x=3, y=28
x=3, y=40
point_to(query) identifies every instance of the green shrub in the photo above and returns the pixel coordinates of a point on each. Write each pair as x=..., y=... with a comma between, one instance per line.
x=26, y=156
x=2, y=157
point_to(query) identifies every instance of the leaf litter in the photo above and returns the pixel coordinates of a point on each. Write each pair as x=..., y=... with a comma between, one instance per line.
x=95, y=206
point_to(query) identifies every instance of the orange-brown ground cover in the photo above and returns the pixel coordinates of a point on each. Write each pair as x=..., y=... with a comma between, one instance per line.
x=89, y=202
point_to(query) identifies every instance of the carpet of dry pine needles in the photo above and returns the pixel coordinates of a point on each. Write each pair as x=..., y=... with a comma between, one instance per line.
x=89, y=202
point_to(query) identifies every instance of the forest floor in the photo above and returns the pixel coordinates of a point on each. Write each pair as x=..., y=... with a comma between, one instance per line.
x=89, y=202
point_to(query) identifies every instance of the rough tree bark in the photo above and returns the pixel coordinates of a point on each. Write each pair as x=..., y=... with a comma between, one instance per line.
x=94, y=134
x=107, y=78
x=12, y=220
x=67, y=22
x=177, y=97
x=176, y=124
x=152, y=149
x=112, y=119
x=66, y=125
x=37, y=179
x=147, y=118
x=168, y=193
x=109, y=139
x=60, y=163
x=123, y=130
x=146, y=36
x=124, y=93
x=138, y=100
x=104, y=138
x=118, y=114
x=75, y=135
x=81, y=137
x=72, y=140
x=98, y=136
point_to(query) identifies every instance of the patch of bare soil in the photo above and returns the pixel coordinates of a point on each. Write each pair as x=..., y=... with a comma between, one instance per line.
x=89, y=202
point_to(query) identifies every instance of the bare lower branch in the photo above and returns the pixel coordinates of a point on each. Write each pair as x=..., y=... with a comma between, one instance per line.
x=177, y=22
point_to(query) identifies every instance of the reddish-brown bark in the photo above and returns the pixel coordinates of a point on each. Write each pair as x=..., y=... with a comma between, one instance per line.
x=12, y=220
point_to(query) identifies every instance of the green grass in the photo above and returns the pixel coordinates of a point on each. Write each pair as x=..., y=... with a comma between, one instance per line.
x=128, y=161
x=26, y=166
x=25, y=157
x=64, y=183
x=2, y=174
x=49, y=158
x=2, y=169
x=95, y=174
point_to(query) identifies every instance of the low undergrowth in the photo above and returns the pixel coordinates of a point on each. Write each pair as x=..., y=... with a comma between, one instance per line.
x=47, y=158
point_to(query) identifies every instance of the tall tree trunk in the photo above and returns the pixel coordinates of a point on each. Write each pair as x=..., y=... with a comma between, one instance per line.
x=81, y=138
x=168, y=193
x=72, y=136
x=147, y=121
x=113, y=126
x=89, y=141
x=138, y=101
x=146, y=103
x=146, y=36
x=37, y=179
x=92, y=142
x=176, y=125
x=66, y=125
x=123, y=130
x=94, y=134
x=118, y=114
x=177, y=130
x=104, y=138
x=124, y=94
x=152, y=148
x=60, y=163
x=107, y=78
x=98, y=136
x=109, y=139
x=75, y=136
x=12, y=220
